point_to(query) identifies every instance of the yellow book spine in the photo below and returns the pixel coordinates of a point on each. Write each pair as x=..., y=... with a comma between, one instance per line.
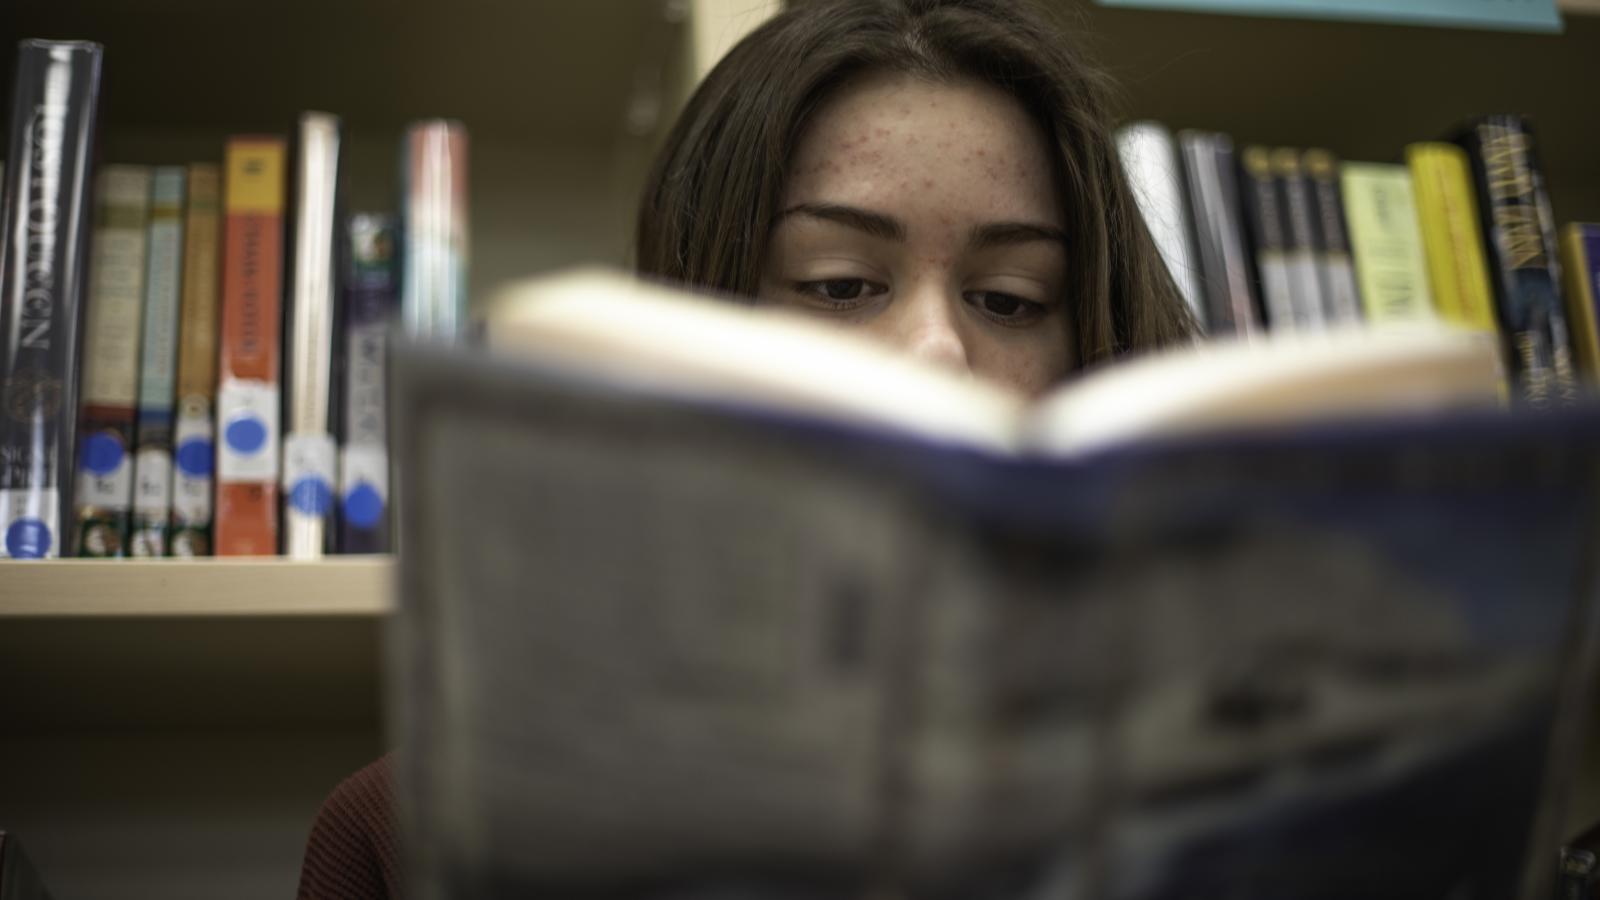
x=1448, y=216
x=1578, y=269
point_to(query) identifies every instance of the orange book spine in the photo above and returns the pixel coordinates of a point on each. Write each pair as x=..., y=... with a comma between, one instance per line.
x=248, y=366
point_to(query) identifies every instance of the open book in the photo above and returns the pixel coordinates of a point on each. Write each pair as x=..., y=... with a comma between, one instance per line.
x=606, y=324
x=700, y=601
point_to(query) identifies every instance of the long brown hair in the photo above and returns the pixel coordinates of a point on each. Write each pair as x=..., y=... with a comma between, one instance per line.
x=716, y=186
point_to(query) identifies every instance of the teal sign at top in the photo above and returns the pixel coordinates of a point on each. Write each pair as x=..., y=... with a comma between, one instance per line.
x=1518, y=15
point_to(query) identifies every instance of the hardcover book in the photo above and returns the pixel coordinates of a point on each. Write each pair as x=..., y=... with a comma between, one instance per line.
x=1269, y=242
x=702, y=600
x=1519, y=240
x=1448, y=215
x=1228, y=285
x=158, y=354
x=371, y=304
x=195, y=456
x=1150, y=159
x=1335, y=267
x=44, y=223
x=310, y=454
x=434, y=299
x=247, y=392
x=1300, y=232
x=1390, y=263
x=111, y=361
x=1580, y=261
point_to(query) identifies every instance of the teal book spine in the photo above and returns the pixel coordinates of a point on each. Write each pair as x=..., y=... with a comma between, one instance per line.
x=158, y=362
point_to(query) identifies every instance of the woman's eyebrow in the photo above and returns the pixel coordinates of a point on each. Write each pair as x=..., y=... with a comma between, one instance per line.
x=996, y=234
x=875, y=224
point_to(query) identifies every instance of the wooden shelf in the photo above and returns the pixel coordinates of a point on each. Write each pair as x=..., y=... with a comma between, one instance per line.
x=338, y=586
x=186, y=645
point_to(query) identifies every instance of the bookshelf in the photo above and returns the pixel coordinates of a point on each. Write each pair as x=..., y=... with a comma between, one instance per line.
x=168, y=729
x=1362, y=90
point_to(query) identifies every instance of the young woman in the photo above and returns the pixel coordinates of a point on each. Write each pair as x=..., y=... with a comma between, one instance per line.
x=937, y=173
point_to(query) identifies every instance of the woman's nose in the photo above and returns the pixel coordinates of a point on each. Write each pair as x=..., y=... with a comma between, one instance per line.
x=930, y=328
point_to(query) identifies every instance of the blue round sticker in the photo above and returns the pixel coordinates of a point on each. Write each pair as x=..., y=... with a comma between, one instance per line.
x=246, y=434
x=194, y=458
x=102, y=453
x=363, y=506
x=28, y=539
x=311, y=496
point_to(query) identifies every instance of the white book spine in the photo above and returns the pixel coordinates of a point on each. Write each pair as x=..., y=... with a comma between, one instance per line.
x=309, y=451
x=434, y=298
x=1150, y=159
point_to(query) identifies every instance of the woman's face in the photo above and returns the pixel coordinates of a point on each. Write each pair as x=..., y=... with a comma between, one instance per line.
x=924, y=214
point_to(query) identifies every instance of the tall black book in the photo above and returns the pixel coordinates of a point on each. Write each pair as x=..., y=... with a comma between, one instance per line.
x=1228, y=286
x=44, y=216
x=1269, y=240
x=1300, y=233
x=1520, y=244
x=1341, y=296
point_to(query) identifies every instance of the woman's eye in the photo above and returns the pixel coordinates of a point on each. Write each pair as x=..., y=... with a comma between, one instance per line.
x=840, y=291
x=843, y=288
x=1007, y=308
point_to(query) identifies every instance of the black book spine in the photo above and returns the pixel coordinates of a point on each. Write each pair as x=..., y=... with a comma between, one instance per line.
x=1228, y=285
x=44, y=217
x=371, y=308
x=1341, y=296
x=1519, y=242
x=1577, y=875
x=1263, y=216
x=1299, y=228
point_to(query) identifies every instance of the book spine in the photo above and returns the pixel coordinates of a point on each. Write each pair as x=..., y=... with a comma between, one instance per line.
x=44, y=221
x=310, y=454
x=1227, y=286
x=246, y=521
x=1150, y=159
x=158, y=358
x=111, y=362
x=1448, y=216
x=371, y=301
x=1519, y=236
x=1580, y=264
x=1268, y=240
x=1390, y=265
x=1299, y=228
x=434, y=299
x=1577, y=873
x=1336, y=269
x=195, y=432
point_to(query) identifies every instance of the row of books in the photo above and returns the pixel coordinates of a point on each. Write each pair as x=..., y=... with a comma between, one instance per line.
x=203, y=368
x=1294, y=239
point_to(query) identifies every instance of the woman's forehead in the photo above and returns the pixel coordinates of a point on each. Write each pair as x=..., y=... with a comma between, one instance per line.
x=899, y=142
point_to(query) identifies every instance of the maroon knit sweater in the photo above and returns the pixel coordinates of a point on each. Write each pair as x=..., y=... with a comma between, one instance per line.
x=351, y=854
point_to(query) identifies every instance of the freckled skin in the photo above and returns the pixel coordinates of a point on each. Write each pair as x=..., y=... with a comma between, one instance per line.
x=940, y=159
